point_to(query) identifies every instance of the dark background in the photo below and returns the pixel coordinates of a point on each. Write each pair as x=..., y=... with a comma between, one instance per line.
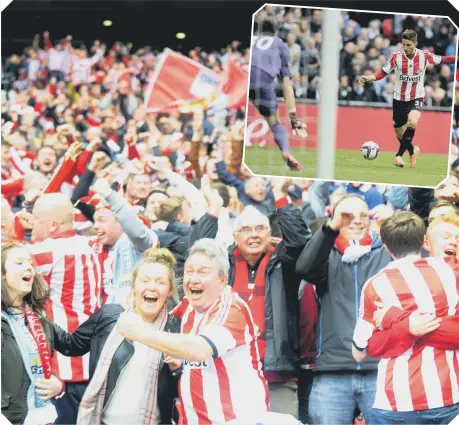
x=210, y=24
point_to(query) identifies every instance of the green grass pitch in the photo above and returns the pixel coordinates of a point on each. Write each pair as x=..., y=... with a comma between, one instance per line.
x=430, y=169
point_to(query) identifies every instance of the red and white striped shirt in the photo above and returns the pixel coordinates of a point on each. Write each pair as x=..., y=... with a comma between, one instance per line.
x=423, y=377
x=72, y=271
x=410, y=73
x=230, y=385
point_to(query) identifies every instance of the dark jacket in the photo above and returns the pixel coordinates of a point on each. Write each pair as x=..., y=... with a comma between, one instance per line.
x=307, y=212
x=176, y=239
x=339, y=286
x=91, y=337
x=15, y=380
x=266, y=207
x=281, y=287
x=420, y=200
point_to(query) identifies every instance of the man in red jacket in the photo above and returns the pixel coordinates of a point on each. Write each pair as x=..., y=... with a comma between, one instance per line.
x=418, y=376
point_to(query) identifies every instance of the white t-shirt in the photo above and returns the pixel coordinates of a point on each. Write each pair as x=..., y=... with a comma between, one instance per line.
x=123, y=406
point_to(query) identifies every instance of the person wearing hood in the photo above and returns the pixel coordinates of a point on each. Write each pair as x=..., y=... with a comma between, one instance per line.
x=338, y=260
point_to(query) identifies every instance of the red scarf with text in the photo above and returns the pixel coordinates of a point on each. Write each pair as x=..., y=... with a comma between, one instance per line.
x=38, y=334
x=255, y=297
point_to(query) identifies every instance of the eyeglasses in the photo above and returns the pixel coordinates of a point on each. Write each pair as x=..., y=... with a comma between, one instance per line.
x=246, y=230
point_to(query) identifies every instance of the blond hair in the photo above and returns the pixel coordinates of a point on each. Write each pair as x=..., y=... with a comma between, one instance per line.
x=448, y=218
x=156, y=256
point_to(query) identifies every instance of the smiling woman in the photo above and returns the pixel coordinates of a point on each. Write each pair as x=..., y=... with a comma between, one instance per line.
x=27, y=343
x=129, y=382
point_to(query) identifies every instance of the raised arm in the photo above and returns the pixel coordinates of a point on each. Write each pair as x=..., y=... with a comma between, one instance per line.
x=47, y=40
x=138, y=233
x=207, y=225
x=295, y=232
x=312, y=263
x=66, y=170
x=192, y=194
x=227, y=178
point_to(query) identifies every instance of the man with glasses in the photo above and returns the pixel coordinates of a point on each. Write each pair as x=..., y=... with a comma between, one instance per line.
x=338, y=260
x=263, y=274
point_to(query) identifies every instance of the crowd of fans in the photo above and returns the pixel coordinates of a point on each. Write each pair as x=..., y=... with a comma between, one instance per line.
x=92, y=183
x=364, y=49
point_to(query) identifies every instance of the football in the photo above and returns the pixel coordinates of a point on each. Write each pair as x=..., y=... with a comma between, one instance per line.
x=370, y=150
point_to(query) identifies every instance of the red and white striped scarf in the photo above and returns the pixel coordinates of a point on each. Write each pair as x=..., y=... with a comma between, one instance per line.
x=352, y=250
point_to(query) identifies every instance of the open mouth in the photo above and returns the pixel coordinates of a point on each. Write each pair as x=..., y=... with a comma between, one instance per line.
x=150, y=299
x=196, y=291
x=356, y=229
x=450, y=251
x=254, y=244
x=27, y=278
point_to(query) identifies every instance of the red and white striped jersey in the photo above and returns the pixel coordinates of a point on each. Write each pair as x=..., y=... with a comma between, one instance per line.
x=72, y=271
x=409, y=73
x=423, y=377
x=230, y=385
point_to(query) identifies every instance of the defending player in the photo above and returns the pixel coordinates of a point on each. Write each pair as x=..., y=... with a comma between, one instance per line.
x=410, y=66
x=271, y=58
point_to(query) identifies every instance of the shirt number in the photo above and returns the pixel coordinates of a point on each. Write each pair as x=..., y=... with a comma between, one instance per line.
x=262, y=43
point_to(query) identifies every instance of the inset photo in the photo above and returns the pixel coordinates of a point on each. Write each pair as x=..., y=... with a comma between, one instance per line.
x=351, y=95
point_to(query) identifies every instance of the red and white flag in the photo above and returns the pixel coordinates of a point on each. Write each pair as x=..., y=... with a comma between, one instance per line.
x=236, y=85
x=179, y=80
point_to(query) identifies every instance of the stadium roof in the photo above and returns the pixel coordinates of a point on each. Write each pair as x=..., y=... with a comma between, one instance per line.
x=155, y=23
x=211, y=24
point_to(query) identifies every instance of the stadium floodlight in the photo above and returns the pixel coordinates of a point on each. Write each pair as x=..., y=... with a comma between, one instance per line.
x=180, y=35
x=107, y=23
x=328, y=102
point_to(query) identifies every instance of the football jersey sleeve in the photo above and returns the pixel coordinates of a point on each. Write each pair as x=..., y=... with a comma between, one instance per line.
x=225, y=331
x=365, y=326
x=285, y=60
x=432, y=59
x=389, y=66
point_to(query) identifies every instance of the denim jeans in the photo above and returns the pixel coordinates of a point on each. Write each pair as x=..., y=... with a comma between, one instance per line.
x=441, y=415
x=59, y=75
x=335, y=396
x=67, y=406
